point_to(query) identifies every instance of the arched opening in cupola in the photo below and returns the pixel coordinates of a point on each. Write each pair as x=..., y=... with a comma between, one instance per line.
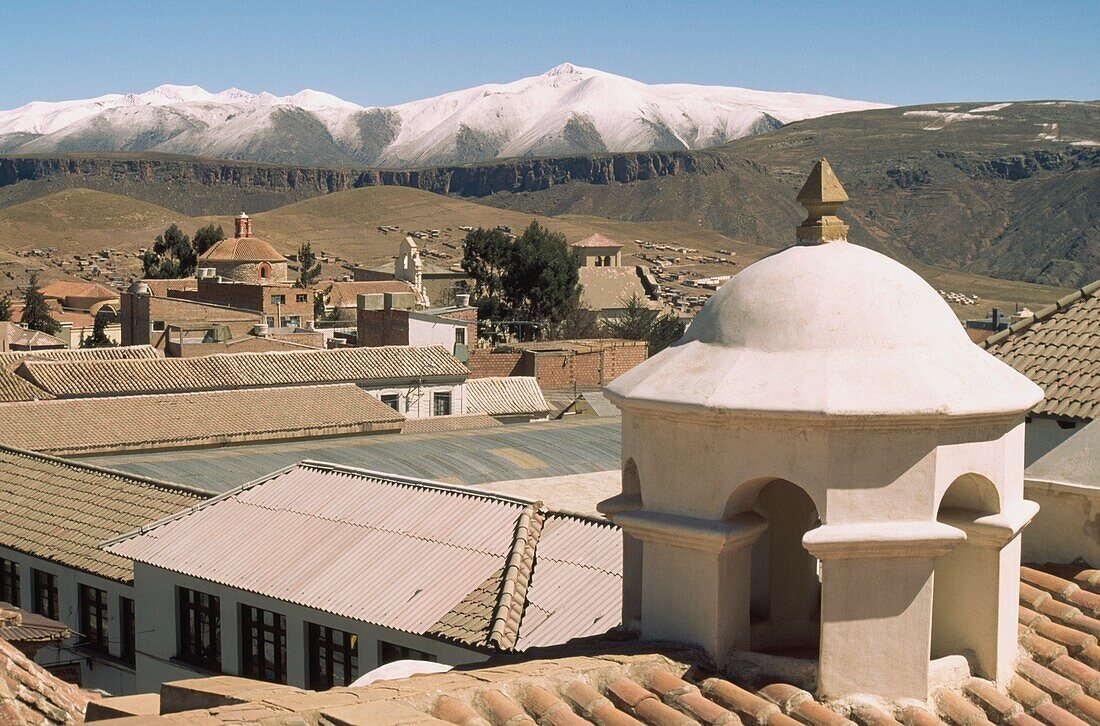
x=962, y=623
x=785, y=600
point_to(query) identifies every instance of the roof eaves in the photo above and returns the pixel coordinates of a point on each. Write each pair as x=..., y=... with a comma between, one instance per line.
x=1062, y=303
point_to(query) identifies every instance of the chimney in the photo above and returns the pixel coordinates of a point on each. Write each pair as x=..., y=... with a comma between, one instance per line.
x=243, y=226
x=462, y=300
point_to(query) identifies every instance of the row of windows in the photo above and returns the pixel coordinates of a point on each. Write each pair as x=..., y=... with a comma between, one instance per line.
x=441, y=402
x=281, y=299
x=332, y=655
x=91, y=608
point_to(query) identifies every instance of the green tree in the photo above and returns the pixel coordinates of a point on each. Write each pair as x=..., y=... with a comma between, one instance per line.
x=309, y=269
x=36, y=313
x=5, y=307
x=172, y=256
x=98, y=338
x=206, y=237
x=640, y=322
x=319, y=297
x=541, y=281
x=485, y=256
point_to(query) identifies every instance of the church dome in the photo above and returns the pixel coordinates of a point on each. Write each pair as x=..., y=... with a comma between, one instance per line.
x=827, y=328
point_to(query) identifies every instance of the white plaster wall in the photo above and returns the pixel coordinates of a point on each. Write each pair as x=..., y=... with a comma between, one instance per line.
x=1067, y=525
x=434, y=332
x=422, y=406
x=1043, y=434
x=97, y=671
x=157, y=638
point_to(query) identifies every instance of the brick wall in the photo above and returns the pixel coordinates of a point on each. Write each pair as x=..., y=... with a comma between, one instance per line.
x=470, y=316
x=382, y=327
x=140, y=312
x=484, y=363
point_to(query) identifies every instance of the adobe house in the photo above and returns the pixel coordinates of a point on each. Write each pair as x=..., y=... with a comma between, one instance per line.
x=876, y=440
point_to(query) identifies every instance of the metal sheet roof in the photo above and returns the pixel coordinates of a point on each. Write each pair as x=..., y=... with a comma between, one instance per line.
x=395, y=552
x=476, y=456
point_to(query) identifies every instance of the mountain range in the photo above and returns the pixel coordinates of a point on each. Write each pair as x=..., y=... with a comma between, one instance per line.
x=567, y=110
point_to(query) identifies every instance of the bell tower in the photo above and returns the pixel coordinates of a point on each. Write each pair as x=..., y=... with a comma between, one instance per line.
x=826, y=466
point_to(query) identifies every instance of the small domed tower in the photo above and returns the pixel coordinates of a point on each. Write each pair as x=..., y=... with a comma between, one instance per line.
x=244, y=258
x=825, y=465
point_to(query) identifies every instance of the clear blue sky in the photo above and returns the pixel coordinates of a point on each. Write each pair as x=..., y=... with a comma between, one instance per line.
x=387, y=52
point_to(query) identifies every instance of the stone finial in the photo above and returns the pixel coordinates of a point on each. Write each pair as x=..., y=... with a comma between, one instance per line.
x=822, y=195
x=243, y=225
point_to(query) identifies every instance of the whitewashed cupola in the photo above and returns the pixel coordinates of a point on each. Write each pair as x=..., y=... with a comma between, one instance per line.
x=826, y=466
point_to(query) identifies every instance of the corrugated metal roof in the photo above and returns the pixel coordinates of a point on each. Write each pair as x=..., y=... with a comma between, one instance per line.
x=399, y=553
x=475, y=456
x=62, y=511
x=242, y=370
x=181, y=420
x=506, y=396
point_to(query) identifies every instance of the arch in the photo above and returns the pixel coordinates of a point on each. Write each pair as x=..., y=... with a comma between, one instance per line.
x=264, y=270
x=785, y=584
x=964, y=596
x=632, y=485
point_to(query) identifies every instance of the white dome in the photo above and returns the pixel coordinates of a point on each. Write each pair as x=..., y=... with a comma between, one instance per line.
x=829, y=329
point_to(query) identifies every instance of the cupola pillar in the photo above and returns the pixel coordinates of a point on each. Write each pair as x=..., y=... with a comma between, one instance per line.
x=242, y=226
x=825, y=466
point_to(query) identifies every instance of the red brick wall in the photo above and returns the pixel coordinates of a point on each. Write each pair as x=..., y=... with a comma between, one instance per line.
x=382, y=327
x=484, y=363
x=564, y=369
x=619, y=360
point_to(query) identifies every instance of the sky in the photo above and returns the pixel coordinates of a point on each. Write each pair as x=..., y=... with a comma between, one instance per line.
x=383, y=53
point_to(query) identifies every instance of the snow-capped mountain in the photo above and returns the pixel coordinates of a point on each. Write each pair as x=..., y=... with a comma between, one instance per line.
x=567, y=110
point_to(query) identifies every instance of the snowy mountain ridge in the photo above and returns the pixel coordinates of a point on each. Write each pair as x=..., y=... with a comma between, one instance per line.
x=567, y=110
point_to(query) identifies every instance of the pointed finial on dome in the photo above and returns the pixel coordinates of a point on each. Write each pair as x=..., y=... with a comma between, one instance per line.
x=822, y=195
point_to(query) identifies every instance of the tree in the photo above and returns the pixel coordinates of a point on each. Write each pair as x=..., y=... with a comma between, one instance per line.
x=98, y=338
x=485, y=256
x=540, y=282
x=172, y=256
x=319, y=305
x=5, y=307
x=36, y=313
x=309, y=269
x=639, y=322
x=206, y=237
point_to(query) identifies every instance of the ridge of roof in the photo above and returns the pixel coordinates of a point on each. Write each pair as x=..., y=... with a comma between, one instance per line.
x=79, y=465
x=1062, y=303
x=512, y=598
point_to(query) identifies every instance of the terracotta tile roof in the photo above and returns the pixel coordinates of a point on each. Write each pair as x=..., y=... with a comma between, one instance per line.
x=17, y=335
x=61, y=289
x=20, y=626
x=458, y=422
x=596, y=240
x=604, y=682
x=242, y=370
x=506, y=396
x=1058, y=349
x=31, y=695
x=343, y=294
x=178, y=420
x=242, y=249
x=61, y=511
x=17, y=388
x=479, y=583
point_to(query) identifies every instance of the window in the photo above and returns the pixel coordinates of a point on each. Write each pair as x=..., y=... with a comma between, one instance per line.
x=460, y=336
x=388, y=653
x=200, y=629
x=93, y=618
x=392, y=400
x=129, y=629
x=45, y=594
x=263, y=644
x=158, y=325
x=301, y=298
x=441, y=404
x=9, y=582
x=333, y=657
x=278, y=299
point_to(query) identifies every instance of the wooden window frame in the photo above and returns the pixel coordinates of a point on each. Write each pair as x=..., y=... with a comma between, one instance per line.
x=92, y=603
x=255, y=632
x=199, y=623
x=438, y=396
x=9, y=582
x=44, y=597
x=326, y=647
